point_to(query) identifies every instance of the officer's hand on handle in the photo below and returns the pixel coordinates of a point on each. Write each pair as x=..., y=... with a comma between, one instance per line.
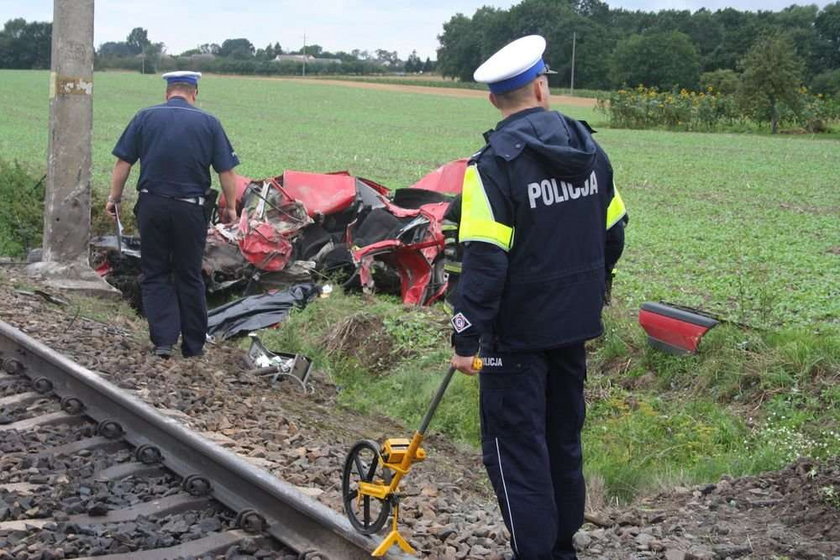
x=111, y=209
x=230, y=216
x=466, y=364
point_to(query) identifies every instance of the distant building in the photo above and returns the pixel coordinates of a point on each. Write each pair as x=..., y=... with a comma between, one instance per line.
x=203, y=57
x=307, y=58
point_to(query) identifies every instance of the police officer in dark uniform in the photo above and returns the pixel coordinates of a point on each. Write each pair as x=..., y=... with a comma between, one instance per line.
x=176, y=143
x=542, y=225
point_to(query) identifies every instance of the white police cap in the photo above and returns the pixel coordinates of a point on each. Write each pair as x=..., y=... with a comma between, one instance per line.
x=182, y=77
x=514, y=65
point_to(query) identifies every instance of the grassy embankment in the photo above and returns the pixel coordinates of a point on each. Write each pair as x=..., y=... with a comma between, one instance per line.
x=743, y=226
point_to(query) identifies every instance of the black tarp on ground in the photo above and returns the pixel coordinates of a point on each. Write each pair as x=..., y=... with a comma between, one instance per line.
x=257, y=312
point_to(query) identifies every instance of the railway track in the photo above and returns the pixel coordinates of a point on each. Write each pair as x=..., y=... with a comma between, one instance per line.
x=87, y=470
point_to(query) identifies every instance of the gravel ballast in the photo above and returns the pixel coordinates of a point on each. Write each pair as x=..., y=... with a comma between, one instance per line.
x=448, y=512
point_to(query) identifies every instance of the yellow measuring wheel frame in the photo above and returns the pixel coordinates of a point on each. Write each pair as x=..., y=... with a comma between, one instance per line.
x=372, y=476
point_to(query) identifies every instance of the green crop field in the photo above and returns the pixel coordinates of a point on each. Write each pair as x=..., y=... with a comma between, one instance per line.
x=744, y=226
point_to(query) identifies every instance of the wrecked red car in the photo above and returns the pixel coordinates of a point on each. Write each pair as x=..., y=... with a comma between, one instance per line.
x=355, y=228
x=334, y=227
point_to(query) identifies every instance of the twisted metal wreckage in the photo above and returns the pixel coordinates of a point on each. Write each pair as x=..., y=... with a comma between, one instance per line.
x=308, y=227
x=298, y=230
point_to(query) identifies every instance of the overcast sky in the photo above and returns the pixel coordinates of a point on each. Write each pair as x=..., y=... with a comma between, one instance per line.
x=336, y=25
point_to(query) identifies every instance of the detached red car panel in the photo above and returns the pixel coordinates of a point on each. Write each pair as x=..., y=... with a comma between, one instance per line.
x=447, y=178
x=674, y=329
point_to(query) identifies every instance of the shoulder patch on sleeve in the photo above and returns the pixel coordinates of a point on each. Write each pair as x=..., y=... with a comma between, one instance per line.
x=460, y=323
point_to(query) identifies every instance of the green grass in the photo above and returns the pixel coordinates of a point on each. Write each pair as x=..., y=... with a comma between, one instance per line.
x=410, y=354
x=21, y=217
x=424, y=81
x=751, y=401
x=744, y=226
x=274, y=124
x=433, y=80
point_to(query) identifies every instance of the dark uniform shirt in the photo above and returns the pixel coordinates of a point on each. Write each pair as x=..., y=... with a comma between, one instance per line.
x=539, y=210
x=176, y=144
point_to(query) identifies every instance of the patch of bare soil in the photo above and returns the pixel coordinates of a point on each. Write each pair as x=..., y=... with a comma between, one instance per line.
x=811, y=209
x=793, y=513
x=362, y=336
x=427, y=90
x=448, y=511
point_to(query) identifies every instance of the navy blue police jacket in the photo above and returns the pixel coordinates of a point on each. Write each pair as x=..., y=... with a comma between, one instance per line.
x=176, y=144
x=541, y=223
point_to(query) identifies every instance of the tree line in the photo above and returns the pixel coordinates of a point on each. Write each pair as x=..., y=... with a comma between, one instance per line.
x=241, y=56
x=666, y=49
x=613, y=47
x=27, y=45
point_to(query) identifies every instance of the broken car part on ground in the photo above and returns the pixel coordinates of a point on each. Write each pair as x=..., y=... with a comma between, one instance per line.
x=303, y=227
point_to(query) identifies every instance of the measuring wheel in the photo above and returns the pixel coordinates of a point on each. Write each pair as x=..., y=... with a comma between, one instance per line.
x=370, y=485
x=367, y=514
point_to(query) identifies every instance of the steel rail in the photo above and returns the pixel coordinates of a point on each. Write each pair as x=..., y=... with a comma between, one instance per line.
x=298, y=521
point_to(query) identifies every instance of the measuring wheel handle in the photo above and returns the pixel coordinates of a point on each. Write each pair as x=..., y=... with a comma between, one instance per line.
x=372, y=475
x=364, y=489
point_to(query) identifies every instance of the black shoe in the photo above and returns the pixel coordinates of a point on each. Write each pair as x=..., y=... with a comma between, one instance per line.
x=164, y=352
x=191, y=355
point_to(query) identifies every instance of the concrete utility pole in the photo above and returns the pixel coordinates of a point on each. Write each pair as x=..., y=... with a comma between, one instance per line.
x=67, y=202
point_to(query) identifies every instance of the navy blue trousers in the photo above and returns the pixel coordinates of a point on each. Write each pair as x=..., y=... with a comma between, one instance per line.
x=532, y=412
x=172, y=238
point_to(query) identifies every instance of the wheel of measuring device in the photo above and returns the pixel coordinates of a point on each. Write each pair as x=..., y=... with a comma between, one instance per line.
x=367, y=514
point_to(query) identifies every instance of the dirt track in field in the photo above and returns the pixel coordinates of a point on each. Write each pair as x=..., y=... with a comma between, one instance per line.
x=428, y=90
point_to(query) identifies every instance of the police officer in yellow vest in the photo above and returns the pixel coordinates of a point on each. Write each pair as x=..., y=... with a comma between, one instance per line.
x=542, y=226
